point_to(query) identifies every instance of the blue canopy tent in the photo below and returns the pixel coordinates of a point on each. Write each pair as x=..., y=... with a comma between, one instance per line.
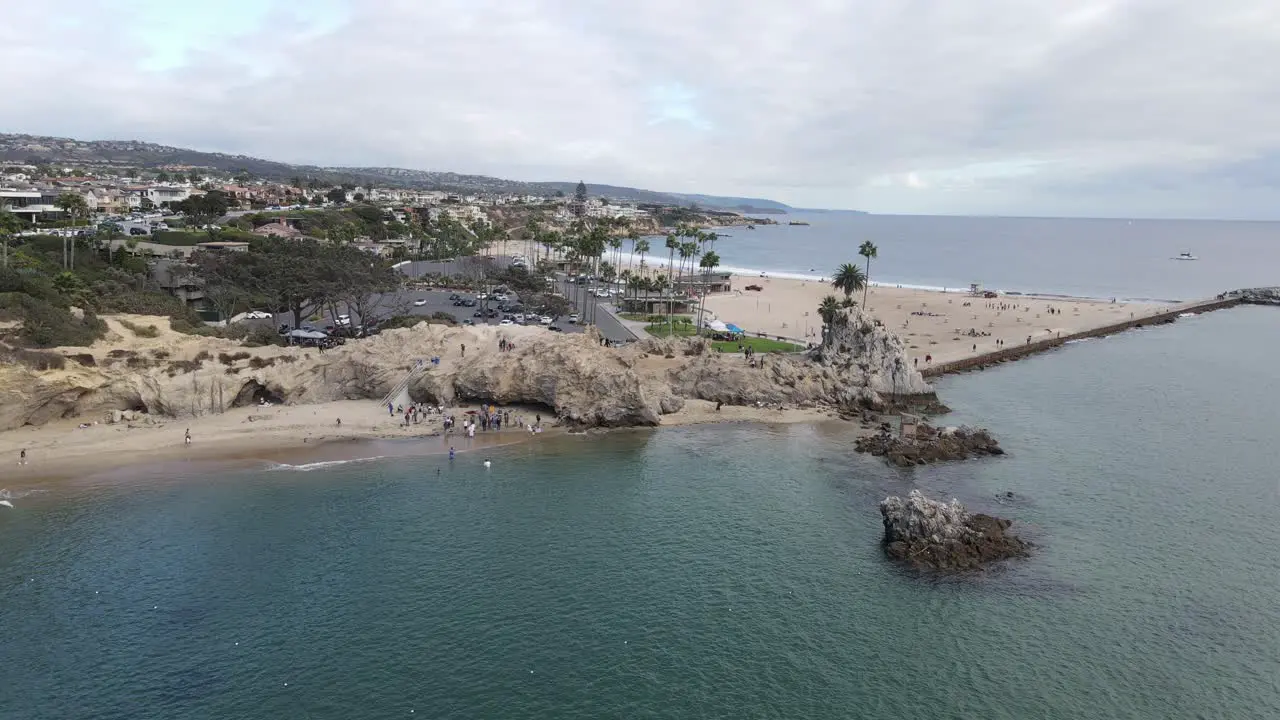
x=735, y=329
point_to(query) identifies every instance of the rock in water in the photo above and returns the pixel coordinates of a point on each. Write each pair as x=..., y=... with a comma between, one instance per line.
x=932, y=535
x=929, y=445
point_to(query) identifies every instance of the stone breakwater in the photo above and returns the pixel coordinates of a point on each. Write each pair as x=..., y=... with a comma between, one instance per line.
x=1254, y=296
x=931, y=535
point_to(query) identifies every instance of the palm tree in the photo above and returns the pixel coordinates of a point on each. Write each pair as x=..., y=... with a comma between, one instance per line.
x=867, y=250
x=829, y=310
x=74, y=205
x=709, y=262
x=641, y=248
x=849, y=279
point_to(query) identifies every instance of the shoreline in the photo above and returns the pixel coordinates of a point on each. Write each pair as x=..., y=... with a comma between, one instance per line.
x=298, y=438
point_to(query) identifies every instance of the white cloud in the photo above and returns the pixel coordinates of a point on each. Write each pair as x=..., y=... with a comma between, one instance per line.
x=1053, y=106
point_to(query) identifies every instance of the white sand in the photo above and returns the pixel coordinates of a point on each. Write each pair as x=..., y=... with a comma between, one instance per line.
x=789, y=308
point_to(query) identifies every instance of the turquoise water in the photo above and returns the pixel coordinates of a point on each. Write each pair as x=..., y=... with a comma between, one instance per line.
x=717, y=571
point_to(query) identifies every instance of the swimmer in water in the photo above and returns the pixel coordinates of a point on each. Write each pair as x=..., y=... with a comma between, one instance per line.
x=486, y=463
x=450, y=452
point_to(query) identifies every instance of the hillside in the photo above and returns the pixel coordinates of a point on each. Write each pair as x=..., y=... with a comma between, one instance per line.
x=36, y=149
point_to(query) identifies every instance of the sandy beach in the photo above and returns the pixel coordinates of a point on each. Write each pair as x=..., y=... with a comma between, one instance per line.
x=937, y=326
x=293, y=434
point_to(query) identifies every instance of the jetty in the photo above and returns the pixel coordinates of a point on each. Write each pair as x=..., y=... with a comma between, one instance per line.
x=1249, y=296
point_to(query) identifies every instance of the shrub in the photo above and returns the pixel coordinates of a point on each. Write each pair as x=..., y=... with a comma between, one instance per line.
x=257, y=363
x=261, y=336
x=231, y=359
x=160, y=354
x=119, y=353
x=182, y=366
x=33, y=359
x=203, y=355
x=46, y=325
x=138, y=362
x=150, y=331
x=84, y=359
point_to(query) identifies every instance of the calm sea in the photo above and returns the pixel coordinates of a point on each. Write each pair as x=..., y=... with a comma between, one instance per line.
x=717, y=571
x=1125, y=259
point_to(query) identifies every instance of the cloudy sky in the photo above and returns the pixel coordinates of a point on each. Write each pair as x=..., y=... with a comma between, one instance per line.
x=1166, y=108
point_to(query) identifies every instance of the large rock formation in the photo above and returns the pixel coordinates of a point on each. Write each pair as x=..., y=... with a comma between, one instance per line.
x=929, y=445
x=573, y=375
x=931, y=535
x=869, y=356
x=1254, y=296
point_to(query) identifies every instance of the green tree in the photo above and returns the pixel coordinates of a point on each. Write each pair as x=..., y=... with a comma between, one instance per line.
x=75, y=206
x=193, y=177
x=828, y=311
x=849, y=279
x=867, y=250
x=146, y=204
x=9, y=225
x=337, y=196
x=162, y=176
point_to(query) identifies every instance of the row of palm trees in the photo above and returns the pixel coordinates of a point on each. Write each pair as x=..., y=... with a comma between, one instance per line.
x=585, y=241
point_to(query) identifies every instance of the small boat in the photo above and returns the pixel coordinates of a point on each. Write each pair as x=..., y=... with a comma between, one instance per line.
x=1186, y=256
x=797, y=222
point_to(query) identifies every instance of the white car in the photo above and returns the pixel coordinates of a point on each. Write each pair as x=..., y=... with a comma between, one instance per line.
x=419, y=302
x=545, y=320
x=344, y=320
x=257, y=315
x=573, y=318
x=506, y=322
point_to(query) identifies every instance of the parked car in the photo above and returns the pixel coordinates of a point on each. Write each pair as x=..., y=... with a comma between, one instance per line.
x=468, y=321
x=544, y=320
x=455, y=296
x=257, y=315
x=506, y=321
x=553, y=328
x=419, y=302
x=573, y=318
x=137, y=231
x=344, y=320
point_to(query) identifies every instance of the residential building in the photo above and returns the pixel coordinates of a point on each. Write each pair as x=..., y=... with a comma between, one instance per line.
x=30, y=204
x=175, y=278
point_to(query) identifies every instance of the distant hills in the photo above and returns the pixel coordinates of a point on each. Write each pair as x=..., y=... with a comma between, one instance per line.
x=37, y=149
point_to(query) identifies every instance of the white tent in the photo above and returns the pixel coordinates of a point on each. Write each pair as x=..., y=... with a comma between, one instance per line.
x=717, y=326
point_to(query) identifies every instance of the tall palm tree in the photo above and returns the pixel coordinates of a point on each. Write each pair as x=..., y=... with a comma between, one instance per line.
x=641, y=248
x=867, y=250
x=708, y=263
x=75, y=206
x=849, y=279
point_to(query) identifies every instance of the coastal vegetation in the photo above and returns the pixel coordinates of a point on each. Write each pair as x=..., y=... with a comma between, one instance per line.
x=848, y=279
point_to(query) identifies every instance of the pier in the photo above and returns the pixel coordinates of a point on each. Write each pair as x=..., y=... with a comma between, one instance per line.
x=1261, y=296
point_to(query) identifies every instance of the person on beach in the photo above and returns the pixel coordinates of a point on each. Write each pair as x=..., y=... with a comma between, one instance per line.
x=464, y=349
x=339, y=422
x=22, y=457
x=188, y=439
x=450, y=452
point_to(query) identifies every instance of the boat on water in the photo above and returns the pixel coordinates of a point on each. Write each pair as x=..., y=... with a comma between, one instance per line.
x=1186, y=256
x=797, y=222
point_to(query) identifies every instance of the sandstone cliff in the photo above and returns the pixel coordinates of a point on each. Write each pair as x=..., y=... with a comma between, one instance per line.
x=572, y=375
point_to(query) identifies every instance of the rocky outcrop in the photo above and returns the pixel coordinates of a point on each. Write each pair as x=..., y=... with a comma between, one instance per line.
x=931, y=535
x=581, y=381
x=929, y=445
x=1254, y=296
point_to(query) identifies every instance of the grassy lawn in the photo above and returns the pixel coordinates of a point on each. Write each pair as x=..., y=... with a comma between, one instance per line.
x=762, y=345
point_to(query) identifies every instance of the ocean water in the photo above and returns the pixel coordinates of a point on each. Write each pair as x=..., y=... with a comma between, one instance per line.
x=717, y=571
x=1124, y=259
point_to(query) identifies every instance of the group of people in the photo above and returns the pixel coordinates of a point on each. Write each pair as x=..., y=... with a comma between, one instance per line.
x=414, y=413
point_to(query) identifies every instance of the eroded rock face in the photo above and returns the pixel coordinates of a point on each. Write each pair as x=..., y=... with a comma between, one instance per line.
x=870, y=356
x=932, y=535
x=930, y=445
x=582, y=381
